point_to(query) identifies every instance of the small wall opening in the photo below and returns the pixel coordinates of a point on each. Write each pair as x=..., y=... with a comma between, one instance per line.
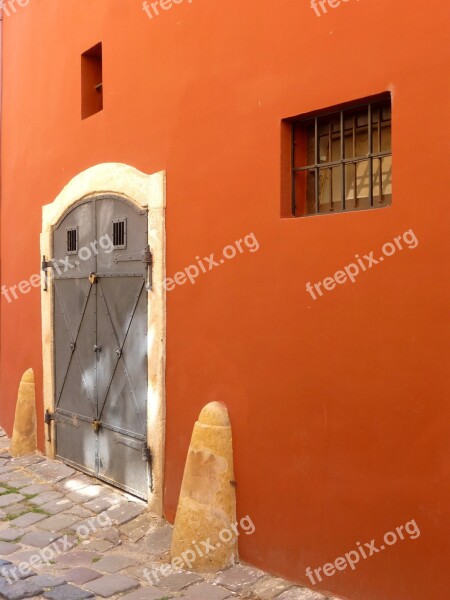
x=91, y=81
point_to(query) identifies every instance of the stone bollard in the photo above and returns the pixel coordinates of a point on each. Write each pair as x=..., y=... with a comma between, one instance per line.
x=24, y=432
x=203, y=536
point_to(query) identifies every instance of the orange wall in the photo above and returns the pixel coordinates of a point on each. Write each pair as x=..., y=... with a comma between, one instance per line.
x=338, y=406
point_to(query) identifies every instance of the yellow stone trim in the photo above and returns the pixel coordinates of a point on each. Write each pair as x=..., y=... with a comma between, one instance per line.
x=145, y=191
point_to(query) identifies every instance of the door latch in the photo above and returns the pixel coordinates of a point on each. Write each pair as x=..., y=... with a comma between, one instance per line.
x=97, y=348
x=93, y=278
x=95, y=425
x=118, y=352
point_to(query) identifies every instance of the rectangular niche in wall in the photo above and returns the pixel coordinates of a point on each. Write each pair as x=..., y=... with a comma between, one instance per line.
x=91, y=81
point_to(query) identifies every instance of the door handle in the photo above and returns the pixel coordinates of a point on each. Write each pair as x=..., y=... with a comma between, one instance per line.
x=97, y=348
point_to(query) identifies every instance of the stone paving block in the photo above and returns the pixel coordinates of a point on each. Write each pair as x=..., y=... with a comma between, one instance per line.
x=8, y=499
x=36, y=488
x=28, y=519
x=67, y=592
x=144, y=571
x=206, y=591
x=16, y=572
x=48, y=581
x=81, y=575
x=123, y=513
x=7, y=548
x=148, y=593
x=39, y=539
x=100, y=546
x=58, y=522
x=114, y=563
x=239, y=578
x=20, y=482
x=87, y=493
x=15, y=509
x=53, y=470
x=5, y=478
x=7, y=469
x=57, y=506
x=11, y=534
x=297, y=593
x=20, y=590
x=25, y=556
x=80, y=511
x=72, y=484
x=111, y=584
x=270, y=587
x=102, y=503
x=45, y=497
x=110, y=534
x=78, y=557
x=177, y=581
x=157, y=543
x=27, y=461
x=137, y=528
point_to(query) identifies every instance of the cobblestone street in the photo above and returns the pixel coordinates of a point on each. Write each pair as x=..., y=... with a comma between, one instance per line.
x=66, y=536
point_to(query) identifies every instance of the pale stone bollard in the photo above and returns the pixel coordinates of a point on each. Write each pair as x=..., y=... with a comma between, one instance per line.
x=24, y=432
x=203, y=534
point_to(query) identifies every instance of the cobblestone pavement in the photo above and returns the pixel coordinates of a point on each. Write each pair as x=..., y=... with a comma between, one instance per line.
x=66, y=536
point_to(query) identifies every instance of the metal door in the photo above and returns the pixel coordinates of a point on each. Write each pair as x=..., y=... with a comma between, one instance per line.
x=101, y=266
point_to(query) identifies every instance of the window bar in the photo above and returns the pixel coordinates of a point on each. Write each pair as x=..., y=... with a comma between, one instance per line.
x=342, y=159
x=355, y=182
x=380, y=160
x=294, y=174
x=369, y=133
x=316, y=160
x=330, y=158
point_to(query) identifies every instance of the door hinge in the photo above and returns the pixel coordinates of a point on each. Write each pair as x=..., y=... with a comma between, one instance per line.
x=147, y=455
x=46, y=264
x=48, y=418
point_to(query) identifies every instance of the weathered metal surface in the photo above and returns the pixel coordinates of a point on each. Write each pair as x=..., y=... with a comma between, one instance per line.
x=101, y=343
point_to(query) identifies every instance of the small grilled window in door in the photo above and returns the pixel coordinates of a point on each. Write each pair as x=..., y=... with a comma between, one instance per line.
x=120, y=234
x=72, y=240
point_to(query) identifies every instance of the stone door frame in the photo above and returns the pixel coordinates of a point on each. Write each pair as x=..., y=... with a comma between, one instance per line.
x=145, y=192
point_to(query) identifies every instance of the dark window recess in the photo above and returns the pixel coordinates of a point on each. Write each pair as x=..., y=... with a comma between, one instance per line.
x=341, y=160
x=72, y=241
x=91, y=81
x=120, y=234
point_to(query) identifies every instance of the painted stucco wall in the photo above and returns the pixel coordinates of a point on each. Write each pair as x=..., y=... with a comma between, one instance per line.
x=338, y=406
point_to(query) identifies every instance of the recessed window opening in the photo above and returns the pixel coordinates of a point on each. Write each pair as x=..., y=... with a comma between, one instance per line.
x=72, y=240
x=91, y=81
x=120, y=233
x=342, y=160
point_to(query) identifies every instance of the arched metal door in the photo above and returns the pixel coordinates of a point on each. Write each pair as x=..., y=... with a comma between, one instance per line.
x=101, y=265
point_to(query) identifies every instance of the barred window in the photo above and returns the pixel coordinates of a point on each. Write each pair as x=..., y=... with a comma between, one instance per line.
x=342, y=160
